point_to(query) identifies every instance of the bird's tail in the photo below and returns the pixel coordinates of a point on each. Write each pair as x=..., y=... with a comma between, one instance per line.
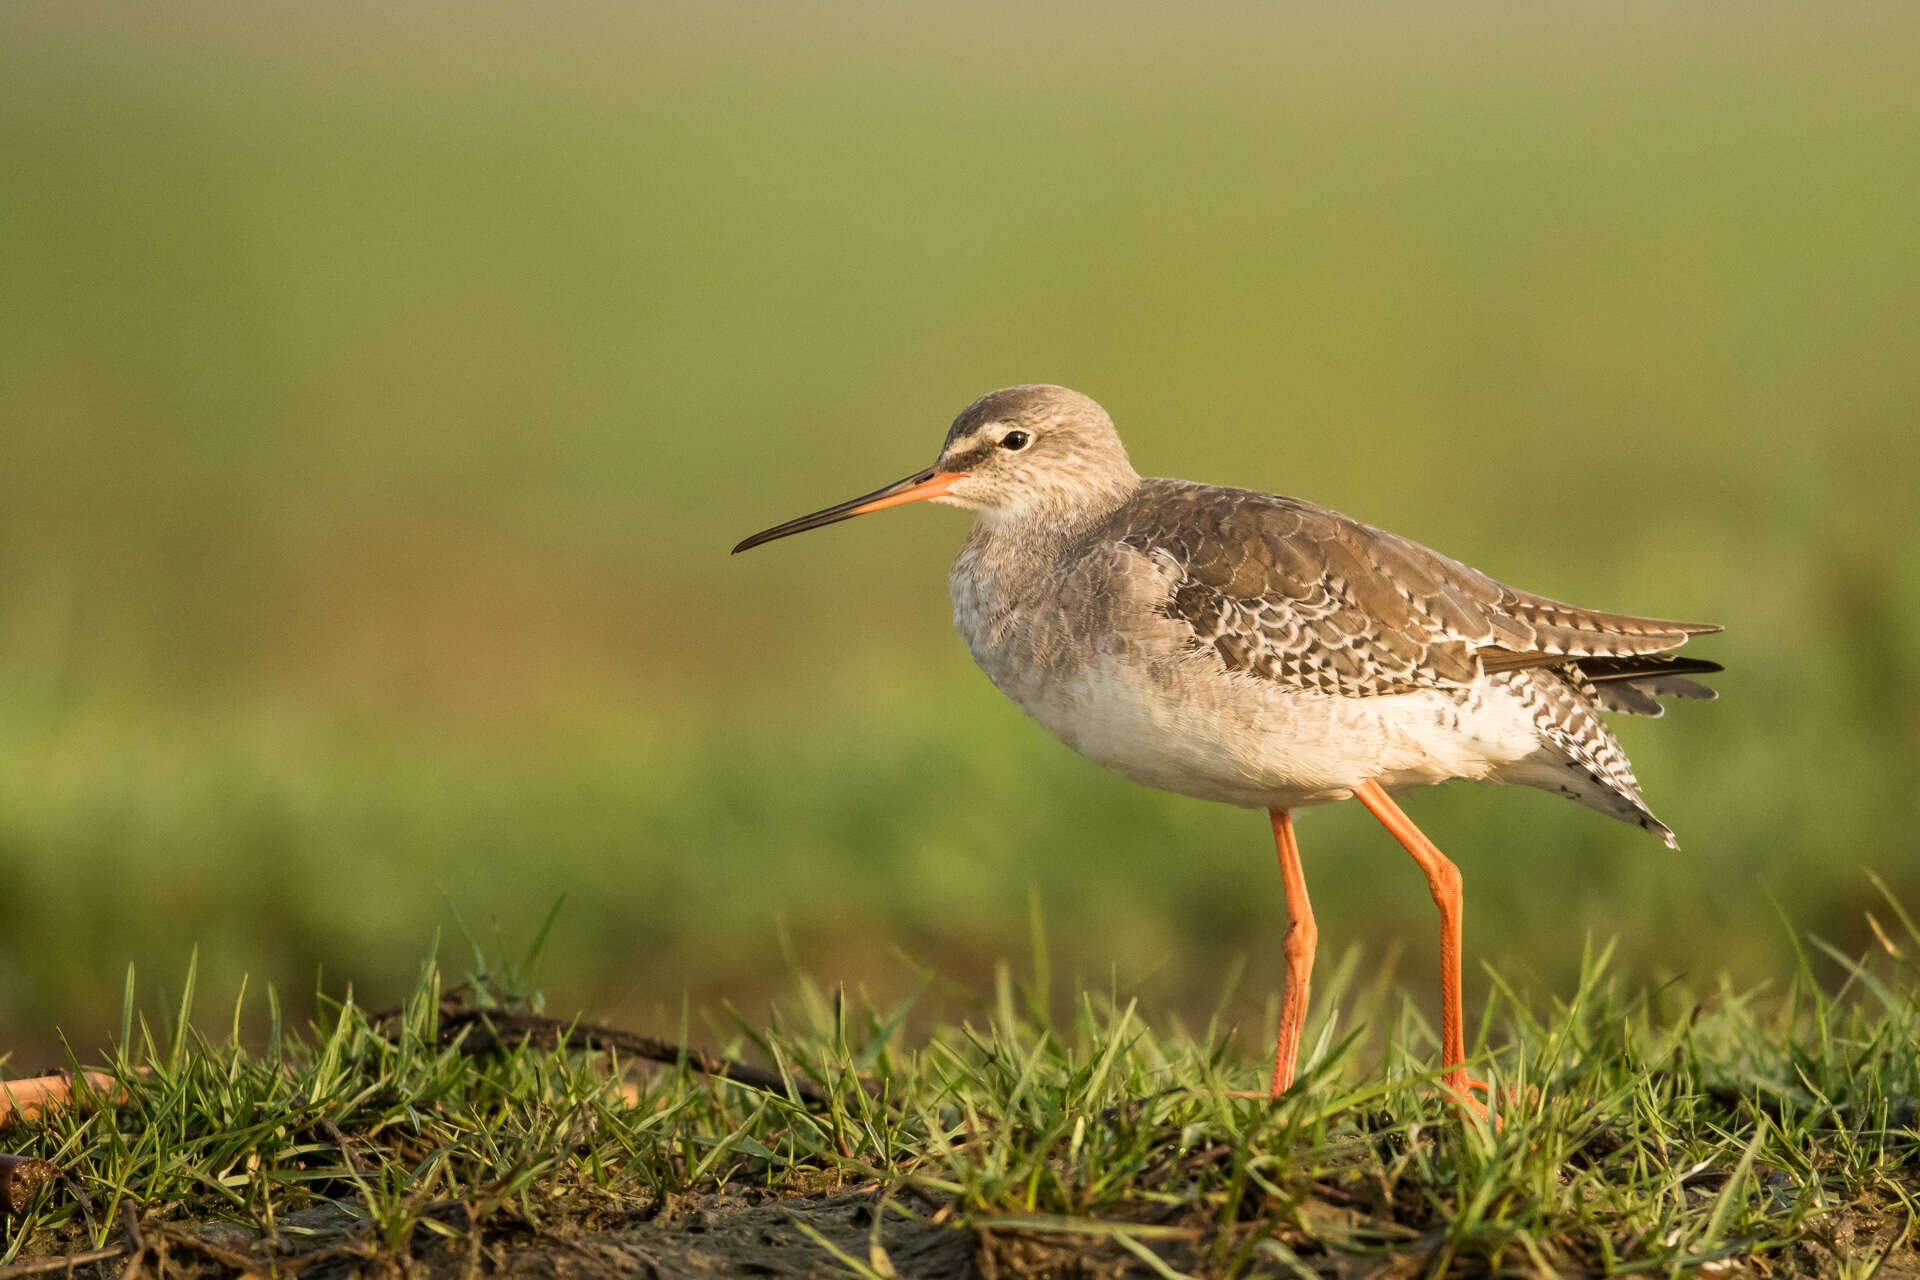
x=1632, y=684
x=1579, y=756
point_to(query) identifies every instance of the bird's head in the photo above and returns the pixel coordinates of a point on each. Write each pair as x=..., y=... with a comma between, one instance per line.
x=1036, y=453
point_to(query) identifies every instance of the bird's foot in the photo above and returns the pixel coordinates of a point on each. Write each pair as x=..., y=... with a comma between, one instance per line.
x=1458, y=1086
x=1461, y=1088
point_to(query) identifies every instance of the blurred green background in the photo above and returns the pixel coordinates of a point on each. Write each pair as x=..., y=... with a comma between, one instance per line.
x=381, y=388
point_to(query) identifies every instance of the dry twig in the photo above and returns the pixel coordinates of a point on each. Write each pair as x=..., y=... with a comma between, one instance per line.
x=486, y=1029
x=36, y=1095
x=20, y=1177
x=64, y=1262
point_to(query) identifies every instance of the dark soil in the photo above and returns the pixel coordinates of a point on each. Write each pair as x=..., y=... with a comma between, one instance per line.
x=732, y=1232
x=750, y=1232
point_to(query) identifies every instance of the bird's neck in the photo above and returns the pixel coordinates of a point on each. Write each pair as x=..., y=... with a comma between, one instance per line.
x=1047, y=523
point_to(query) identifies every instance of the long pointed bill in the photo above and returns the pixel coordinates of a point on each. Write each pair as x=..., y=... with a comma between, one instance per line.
x=917, y=487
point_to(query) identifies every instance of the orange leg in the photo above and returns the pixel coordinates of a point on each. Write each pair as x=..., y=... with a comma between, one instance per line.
x=1298, y=949
x=1443, y=880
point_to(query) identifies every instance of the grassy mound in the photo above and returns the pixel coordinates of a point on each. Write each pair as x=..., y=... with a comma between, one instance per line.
x=1648, y=1133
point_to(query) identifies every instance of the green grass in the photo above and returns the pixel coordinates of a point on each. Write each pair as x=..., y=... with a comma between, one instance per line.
x=380, y=392
x=1648, y=1132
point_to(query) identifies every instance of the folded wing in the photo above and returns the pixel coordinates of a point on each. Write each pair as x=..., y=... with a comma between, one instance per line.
x=1289, y=591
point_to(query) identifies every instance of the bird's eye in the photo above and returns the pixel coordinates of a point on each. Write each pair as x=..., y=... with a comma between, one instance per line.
x=1015, y=440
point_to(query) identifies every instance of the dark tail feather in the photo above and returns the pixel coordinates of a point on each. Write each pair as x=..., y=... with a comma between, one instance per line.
x=1632, y=685
x=1639, y=666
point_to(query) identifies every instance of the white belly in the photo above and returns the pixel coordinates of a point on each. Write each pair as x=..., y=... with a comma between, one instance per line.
x=1112, y=678
x=1217, y=736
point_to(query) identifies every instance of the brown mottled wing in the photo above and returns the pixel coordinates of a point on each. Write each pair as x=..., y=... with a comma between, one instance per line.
x=1296, y=593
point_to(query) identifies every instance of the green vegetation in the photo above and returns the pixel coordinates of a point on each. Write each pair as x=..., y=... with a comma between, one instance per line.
x=1639, y=1135
x=380, y=393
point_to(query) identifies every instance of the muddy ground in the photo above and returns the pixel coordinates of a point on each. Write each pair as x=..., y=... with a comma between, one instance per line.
x=748, y=1232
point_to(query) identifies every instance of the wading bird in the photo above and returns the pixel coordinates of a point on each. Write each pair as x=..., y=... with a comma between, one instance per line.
x=1266, y=652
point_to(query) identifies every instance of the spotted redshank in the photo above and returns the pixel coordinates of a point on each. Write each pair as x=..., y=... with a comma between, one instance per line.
x=1266, y=652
